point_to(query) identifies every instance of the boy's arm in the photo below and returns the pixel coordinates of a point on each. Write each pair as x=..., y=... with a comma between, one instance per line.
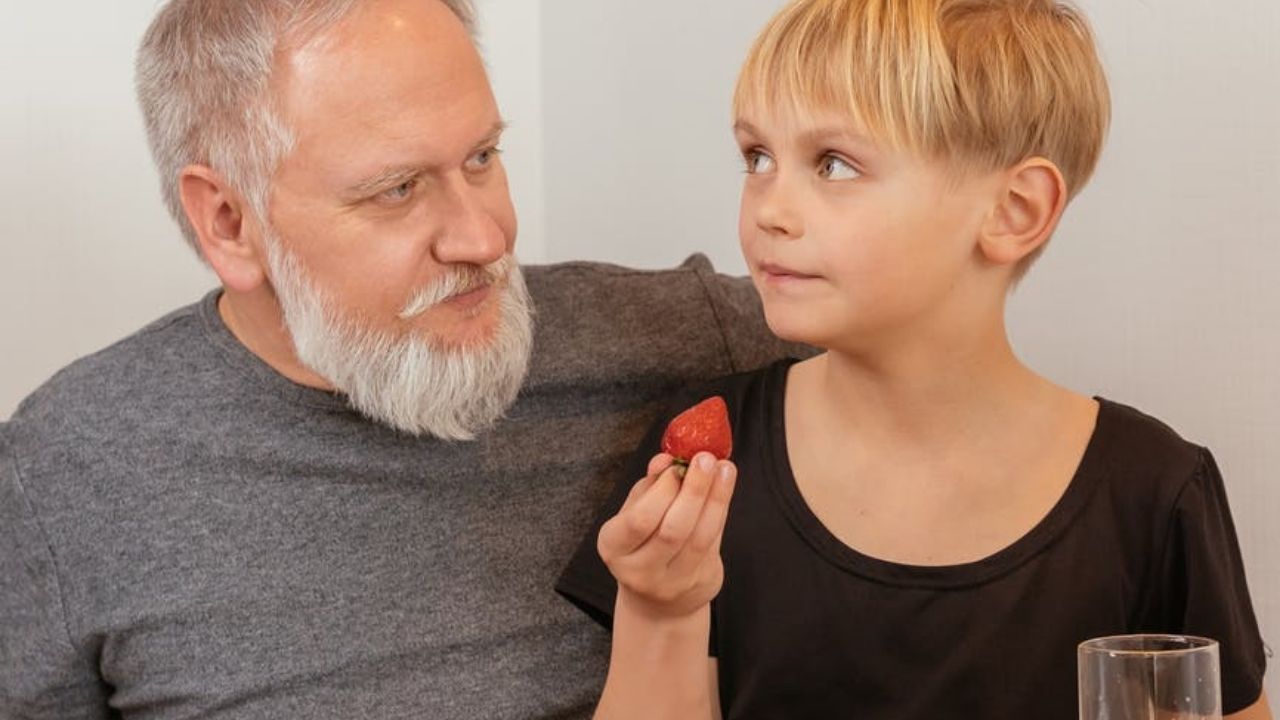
x=658, y=668
x=1201, y=589
x=663, y=547
x=713, y=685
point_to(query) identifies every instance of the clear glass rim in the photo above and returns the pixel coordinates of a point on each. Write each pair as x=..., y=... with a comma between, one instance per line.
x=1190, y=644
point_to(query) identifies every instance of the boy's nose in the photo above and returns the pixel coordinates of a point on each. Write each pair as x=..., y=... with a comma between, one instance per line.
x=777, y=214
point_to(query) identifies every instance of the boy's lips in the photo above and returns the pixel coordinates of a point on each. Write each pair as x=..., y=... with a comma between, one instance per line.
x=775, y=273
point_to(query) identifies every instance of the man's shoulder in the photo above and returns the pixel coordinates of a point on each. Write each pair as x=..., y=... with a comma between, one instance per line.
x=90, y=394
x=687, y=322
x=697, y=262
x=569, y=284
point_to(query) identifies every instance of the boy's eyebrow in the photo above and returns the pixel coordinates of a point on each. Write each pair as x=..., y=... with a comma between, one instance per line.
x=393, y=175
x=815, y=137
x=825, y=135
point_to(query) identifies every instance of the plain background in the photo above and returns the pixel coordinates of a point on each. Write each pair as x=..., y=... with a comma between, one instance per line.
x=1159, y=290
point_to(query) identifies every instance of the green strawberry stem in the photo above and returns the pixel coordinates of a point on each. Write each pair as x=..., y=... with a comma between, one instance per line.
x=681, y=466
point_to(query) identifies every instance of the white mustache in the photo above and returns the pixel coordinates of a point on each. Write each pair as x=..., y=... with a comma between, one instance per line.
x=458, y=281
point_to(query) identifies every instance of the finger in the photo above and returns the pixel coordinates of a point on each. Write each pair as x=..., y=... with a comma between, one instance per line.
x=685, y=510
x=630, y=528
x=657, y=465
x=639, y=489
x=716, y=515
x=705, y=539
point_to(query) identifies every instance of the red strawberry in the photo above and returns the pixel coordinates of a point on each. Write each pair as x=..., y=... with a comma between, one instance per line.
x=703, y=427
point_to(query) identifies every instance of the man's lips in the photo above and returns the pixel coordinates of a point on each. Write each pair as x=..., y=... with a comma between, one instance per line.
x=466, y=291
x=468, y=299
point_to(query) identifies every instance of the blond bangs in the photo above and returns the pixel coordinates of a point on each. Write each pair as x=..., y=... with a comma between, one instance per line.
x=877, y=62
x=980, y=82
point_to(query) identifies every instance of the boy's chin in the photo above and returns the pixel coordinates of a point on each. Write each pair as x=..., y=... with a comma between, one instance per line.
x=792, y=328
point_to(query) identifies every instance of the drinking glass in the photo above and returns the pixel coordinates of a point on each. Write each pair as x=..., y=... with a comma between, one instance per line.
x=1149, y=677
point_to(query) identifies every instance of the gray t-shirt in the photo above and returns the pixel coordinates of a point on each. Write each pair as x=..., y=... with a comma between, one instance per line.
x=185, y=533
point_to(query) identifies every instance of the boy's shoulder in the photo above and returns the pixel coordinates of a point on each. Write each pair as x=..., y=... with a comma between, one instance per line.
x=1146, y=461
x=1141, y=437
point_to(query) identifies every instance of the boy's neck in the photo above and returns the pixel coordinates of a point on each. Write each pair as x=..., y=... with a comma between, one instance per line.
x=926, y=393
x=935, y=454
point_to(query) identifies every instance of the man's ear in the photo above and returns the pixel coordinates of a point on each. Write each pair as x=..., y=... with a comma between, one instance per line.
x=1026, y=213
x=217, y=212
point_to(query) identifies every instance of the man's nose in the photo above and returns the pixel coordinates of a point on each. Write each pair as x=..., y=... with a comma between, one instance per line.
x=469, y=231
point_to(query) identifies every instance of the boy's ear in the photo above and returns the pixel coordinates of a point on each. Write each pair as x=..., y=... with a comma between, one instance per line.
x=1026, y=213
x=217, y=213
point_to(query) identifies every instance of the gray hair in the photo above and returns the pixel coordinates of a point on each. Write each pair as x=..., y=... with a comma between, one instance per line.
x=203, y=78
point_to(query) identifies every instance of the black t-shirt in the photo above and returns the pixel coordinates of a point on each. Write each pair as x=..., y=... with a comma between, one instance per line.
x=807, y=627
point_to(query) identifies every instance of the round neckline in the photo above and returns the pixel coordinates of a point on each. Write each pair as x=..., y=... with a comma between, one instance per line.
x=244, y=361
x=1088, y=474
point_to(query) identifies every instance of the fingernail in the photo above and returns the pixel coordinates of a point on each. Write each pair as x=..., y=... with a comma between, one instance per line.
x=725, y=473
x=705, y=462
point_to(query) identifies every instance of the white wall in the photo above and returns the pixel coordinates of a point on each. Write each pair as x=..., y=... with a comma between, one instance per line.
x=1158, y=290
x=86, y=250
x=512, y=45
x=641, y=166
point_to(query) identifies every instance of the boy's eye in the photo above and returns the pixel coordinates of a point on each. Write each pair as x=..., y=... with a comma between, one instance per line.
x=757, y=162
x=833, y=167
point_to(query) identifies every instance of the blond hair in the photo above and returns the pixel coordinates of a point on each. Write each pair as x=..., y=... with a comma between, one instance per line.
x=986, y=83
x=203, y=77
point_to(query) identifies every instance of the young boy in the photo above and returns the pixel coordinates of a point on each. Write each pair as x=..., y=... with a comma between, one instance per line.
x=925, y=527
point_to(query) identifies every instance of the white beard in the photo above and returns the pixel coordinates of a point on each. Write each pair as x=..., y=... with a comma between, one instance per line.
x=413, y=383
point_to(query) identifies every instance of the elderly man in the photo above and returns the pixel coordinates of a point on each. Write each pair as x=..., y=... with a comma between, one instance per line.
x=343, y=484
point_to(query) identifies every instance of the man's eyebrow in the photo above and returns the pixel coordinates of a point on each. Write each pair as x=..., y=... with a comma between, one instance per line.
x=394, y=175
x=388, y=177
x=494, y=133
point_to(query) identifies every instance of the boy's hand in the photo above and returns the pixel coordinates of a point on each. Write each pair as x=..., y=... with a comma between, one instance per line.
x=663, y=546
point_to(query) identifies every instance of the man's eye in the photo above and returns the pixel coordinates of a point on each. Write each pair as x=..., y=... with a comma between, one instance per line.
x=483, y=159
x=833, y=167
x=757, y=162
x=399, y=193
